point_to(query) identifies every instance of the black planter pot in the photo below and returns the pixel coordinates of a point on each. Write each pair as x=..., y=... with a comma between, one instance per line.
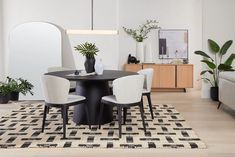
x=89, y=64
x=4, y=99
x=214, y=93
x=14, y=96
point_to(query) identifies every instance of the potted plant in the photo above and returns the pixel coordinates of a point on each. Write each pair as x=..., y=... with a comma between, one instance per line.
x=216, y=64
x=4, y=93
x=17, y=86
x=88, y=50
x=140, y=34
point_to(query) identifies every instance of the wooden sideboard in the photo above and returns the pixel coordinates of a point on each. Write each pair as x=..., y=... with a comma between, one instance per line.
x=167, y=76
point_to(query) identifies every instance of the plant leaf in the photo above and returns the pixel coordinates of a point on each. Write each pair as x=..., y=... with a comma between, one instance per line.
x=213, y=46
x=203, y=54
x=209, y=64
x=230, y=59
x=205, y=71
x=225, y=67
x=225, y=47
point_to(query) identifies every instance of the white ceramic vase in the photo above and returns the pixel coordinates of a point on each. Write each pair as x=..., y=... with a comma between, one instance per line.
x=148, y=53
x=99, y=67
x=140, y=51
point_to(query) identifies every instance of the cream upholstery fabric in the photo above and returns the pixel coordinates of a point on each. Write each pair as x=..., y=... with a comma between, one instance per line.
x=227, y=89
x=128, y=89
x=56, y=90
x=54, y=69
x=148, y=73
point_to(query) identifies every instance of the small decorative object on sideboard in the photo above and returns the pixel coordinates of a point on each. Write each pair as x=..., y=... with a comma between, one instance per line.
x=215, y=64
x=132, y=59
x=185, y=61
x=140, y=34
x=88, y=50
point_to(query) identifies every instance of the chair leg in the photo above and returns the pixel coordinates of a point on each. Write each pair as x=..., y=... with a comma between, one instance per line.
x=64, y=113
x=44, y=117
x=48, y=110
x=67, y=116
x=124, y=115
x=219, y=105
x=87, y=115
x=101, y=113
x=150, y=105
x=142, y=115
x=120, y=120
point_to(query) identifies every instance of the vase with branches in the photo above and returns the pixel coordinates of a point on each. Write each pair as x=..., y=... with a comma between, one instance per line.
x=140, y=34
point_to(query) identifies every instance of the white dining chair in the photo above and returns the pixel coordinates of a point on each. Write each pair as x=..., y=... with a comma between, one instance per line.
x=58, y=68
x=56, y=94
x=148, y=73
x=127, y=92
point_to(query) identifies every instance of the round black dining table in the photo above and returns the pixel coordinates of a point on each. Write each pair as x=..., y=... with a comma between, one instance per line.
x=93, y=87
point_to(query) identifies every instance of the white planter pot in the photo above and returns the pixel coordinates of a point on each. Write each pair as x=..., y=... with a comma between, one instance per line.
x=140, y=51
x=148, y=54
x=99, y=68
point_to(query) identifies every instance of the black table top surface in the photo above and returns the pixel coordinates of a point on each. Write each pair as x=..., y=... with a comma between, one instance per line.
x=108, y=75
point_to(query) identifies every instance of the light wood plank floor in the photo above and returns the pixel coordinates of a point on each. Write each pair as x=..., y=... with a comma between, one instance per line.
x=215, y=127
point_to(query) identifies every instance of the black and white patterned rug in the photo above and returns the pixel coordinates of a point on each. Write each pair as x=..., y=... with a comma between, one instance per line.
x=22, y=129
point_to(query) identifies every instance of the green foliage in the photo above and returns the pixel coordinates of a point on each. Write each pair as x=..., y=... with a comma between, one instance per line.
x=20, y=85
x=215, y=66
x=4, y=88
x=88, y=50
x=140, y=34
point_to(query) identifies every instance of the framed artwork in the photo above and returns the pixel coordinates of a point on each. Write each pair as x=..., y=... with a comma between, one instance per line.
x=173, y=43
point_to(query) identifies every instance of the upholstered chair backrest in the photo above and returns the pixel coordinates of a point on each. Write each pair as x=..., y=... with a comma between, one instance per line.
x=128, y=89
x=55, y=89
x=148, y=73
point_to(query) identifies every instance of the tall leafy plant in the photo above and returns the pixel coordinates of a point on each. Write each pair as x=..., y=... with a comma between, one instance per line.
x=216, y=63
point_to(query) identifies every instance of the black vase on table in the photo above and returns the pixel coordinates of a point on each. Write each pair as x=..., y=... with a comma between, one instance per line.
x=214, y=92
x=89, y=64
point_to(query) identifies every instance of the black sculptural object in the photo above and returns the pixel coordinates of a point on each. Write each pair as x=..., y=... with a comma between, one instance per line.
x=132, y=59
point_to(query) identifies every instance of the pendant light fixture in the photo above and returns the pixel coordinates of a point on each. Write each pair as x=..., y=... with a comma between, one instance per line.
x=92, y=31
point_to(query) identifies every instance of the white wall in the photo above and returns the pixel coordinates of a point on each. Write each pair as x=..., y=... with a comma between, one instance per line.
x=1, y=44
x=171, y=14
x=73, y=14
x=218, y=24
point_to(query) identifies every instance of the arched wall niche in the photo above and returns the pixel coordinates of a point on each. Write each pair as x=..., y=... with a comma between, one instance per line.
x=33, y=47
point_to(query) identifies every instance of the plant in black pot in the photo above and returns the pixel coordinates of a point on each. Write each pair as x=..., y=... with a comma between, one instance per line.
x=19, y=86
x=216, y=64
x=88, y=50
x=4, y=93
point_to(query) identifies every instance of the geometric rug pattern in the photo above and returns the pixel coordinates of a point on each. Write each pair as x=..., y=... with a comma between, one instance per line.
x=22, y=129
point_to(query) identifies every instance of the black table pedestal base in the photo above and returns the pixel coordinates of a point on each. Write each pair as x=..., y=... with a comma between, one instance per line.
x=93, y=91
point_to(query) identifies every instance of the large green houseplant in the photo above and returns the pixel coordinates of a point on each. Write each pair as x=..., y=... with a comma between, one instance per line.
x=216, y=64
x=89, y=50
